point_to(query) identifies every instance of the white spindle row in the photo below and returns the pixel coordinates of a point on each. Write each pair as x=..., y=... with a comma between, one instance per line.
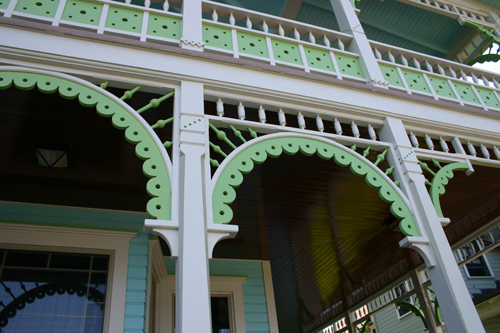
x=441, y=67
x=478, y=245
x=484, y=150
x=454, y=10
x=147, y=4
x=273, y=25
x=301, y=120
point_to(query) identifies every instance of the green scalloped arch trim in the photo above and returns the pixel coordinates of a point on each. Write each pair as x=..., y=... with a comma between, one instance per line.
x=440, y=180
x=232, y=175
x=158, y=187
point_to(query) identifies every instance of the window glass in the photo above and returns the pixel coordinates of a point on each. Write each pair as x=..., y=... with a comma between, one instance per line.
x=220, y=314
x=52, y=292
x=478, y=267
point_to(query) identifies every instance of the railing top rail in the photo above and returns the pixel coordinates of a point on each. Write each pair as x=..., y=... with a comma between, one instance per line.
x=241, y=14
x=421, y=57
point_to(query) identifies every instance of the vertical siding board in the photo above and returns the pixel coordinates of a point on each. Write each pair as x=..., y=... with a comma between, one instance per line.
x=135, y=303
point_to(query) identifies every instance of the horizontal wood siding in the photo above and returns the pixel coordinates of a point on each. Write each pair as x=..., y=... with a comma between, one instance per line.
x=386, y=321
x=135, y=302
x=477, y=283
x=70, y=217
x=492, y=325
x=254, y=293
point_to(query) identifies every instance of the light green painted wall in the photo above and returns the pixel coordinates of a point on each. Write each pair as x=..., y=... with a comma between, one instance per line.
x=254, y=294
x=135, y=303
x=386, y=321
x=71, y=217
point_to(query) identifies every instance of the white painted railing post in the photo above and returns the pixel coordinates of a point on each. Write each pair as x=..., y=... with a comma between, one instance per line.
x=192, y=273
x=348, y=22
x=192, y=33
x=455, y=302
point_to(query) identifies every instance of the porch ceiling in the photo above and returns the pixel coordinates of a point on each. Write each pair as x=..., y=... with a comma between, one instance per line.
x=387, y=21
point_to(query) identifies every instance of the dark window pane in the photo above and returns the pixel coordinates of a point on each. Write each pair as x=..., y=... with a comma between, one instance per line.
x=100, y=263
x=70, y=261
x=26, y=259
x=220, y=314
x=477, y=267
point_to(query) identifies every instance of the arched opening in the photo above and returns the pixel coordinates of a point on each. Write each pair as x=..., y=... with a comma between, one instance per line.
x=328, y=235
x=103, y=171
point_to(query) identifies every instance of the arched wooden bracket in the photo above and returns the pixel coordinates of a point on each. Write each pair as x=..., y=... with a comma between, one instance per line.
x=218, y=232
x=242, y=160
x=440, y=180
x=421, y=245
x=168, y=230
x=148, y=147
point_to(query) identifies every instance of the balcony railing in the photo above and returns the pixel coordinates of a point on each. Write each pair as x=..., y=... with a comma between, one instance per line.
x=273, y=40
x=101, y=16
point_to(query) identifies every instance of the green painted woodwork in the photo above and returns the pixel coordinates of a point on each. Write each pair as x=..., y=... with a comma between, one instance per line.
x=440, y=180
x=415, y=81
x=319, y=59
x=349, y=65
x=252, y=44
x=489, y=34
x=286, y=52
x=217, y=37
x=158, y=186
x=124, y=19
x=82, y=12
x=485, y=58
x=391, y=74
x=416, y=311
x=164, y=26
x=442, y=87
x=45, y=8
x=243, y=163
x=488, y=97
x=4, y=4
x=465, y=92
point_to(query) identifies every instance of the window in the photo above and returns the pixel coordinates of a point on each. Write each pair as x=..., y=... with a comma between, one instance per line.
x=478, y=268
x=79, y=244
x=52, y=291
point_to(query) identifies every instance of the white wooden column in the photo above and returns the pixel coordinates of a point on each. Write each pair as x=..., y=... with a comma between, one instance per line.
x=455, y=302
x=192, y=274
x=192, y=31
x=348, y=22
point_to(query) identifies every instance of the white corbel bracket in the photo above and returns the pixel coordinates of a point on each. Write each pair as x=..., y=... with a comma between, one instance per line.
x=218, y=232
x=444, y=221
x=421, y=245
x=166, y=229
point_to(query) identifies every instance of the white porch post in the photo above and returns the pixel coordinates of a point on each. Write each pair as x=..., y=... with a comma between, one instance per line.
x=192, y=275
x=455, y=302
x=192, y=33
x=349, y=22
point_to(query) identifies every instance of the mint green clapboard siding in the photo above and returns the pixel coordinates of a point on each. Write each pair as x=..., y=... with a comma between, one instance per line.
x=254, y=293
x=386, y=321
x=71, y=217
x=135, y=301
x=492, y=325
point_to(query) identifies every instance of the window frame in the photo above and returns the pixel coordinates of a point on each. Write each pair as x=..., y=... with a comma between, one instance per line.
x=486, y=264
x=220, y=286
x=77, y=240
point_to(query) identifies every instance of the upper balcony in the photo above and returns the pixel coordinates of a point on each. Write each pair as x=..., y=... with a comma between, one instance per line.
x=419, y=47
